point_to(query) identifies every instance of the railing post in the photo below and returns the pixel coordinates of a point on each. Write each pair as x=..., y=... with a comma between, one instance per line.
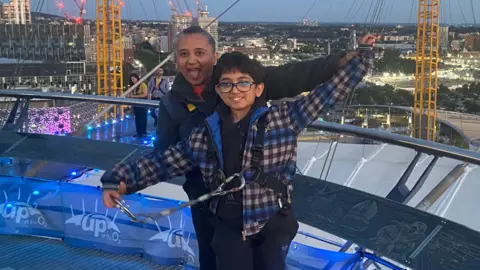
x=11, y=116
x=11, y=124
x=423, y=178
x=23, y=115
x=400, y=191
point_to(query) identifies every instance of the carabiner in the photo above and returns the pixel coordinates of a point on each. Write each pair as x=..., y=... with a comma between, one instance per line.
x=142, y=218
x=125, y=209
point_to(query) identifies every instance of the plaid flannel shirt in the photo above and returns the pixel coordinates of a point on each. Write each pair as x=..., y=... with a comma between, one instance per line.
x=284, y=123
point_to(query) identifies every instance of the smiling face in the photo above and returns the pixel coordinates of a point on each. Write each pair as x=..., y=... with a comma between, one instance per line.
x=238, y=91
x=195, y=58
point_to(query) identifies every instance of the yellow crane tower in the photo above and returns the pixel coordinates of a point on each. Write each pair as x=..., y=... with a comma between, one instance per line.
x=426, y=74
x=109, y=48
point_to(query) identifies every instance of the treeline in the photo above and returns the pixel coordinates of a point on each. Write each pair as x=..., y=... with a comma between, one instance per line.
x=462, y=99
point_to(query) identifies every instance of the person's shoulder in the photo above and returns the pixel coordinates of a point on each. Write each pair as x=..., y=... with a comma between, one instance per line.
x=175, y=104
x=173, y=97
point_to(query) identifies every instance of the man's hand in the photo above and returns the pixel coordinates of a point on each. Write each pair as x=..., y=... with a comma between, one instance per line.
x=108, y=196
x=368, y=40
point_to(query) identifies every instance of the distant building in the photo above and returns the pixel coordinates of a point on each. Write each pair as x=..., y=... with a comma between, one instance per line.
x=251, y=51
x=47, y=75
x=128, y=48
x=43, y=42
x=17, y=12
x=251, y=42
x=472, y=43
x=127, y=42
x=396, y=46
x=457, y=44
x=353, y=43
x=163, y=43
x=292, y=43
x=398, y=38
x=443, y=38
x=209, y=24
x=178, y=22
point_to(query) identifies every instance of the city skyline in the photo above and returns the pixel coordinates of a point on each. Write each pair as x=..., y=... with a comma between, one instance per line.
x=394, y=11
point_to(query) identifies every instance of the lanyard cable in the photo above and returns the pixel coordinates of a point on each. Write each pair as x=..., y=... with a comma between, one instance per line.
x=220, y=191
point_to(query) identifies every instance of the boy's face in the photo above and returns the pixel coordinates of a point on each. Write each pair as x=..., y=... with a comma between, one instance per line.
x=238, y=90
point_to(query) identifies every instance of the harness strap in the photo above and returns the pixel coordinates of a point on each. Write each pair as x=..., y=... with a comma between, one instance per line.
x=282, y=189
x=257, y=149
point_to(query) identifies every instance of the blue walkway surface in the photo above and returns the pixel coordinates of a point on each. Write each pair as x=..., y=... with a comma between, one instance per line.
x=98, y=238
x=27, y=253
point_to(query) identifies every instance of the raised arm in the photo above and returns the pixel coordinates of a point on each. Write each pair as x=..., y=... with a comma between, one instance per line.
x=309, y=108
x=290, y=80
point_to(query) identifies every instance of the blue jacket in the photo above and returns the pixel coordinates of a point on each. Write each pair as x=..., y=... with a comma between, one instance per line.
x=284, y=124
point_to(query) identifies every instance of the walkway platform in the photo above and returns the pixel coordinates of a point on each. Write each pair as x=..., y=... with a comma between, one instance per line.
x=27, y=253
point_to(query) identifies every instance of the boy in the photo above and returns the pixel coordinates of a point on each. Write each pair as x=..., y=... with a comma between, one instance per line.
x=254, y=227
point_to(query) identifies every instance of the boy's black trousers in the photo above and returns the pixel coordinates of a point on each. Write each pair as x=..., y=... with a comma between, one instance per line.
x=266, y=250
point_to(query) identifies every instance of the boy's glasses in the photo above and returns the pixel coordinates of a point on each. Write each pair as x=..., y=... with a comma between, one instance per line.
x=227, y=87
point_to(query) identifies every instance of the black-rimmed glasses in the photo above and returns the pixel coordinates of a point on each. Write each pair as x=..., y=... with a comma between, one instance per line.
x=227, y=87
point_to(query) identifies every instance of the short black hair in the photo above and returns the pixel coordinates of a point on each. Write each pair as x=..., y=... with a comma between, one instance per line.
x=197, y=30
x=239, y=61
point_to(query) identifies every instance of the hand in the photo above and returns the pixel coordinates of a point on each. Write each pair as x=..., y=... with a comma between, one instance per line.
x=347, y=57
x=368, y=40
x=108, y=196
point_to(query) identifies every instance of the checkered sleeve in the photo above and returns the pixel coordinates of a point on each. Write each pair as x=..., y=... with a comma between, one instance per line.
x=155, y=167
x=307, y=109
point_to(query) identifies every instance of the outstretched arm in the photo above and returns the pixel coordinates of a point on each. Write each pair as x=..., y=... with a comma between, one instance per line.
x=130, y=177
x=309, y=108
x=292, y=79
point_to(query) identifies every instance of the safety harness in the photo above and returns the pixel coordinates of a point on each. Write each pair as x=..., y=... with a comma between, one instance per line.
x=282, y=189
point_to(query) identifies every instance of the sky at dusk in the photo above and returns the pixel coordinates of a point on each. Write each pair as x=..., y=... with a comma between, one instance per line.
x=396, y=11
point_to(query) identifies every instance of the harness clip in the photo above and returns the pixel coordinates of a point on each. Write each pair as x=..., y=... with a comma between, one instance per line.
x=260, y=178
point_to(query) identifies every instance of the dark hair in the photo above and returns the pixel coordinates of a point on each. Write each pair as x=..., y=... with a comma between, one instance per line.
x=196, y=30
x=135, y=75
x=238, y=61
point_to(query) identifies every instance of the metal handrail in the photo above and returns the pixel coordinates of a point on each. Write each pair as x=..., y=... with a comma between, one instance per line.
x=31, y=94
x=427, y=147
x=423, y=146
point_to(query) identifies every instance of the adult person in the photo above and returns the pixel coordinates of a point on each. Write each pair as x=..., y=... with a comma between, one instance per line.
x=140, y=112
x=254, y=227
x=158, y=86
x=192, y=98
